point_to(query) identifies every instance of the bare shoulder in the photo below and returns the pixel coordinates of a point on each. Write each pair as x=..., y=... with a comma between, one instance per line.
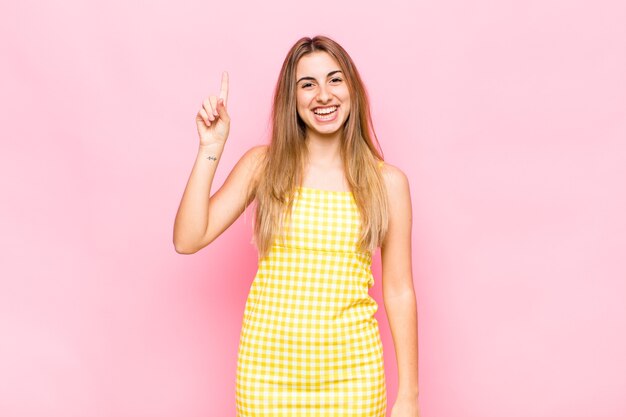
x=396, y=246
x=396, y=180
x=255, y=153
x=253, y=157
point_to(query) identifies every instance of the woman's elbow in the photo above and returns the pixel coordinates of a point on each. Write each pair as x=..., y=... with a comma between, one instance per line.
x=185, y=249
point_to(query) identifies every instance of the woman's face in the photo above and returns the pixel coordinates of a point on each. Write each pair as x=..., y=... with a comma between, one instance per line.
x=322, y=96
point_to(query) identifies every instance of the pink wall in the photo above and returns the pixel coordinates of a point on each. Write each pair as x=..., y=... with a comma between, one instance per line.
x=508, y=118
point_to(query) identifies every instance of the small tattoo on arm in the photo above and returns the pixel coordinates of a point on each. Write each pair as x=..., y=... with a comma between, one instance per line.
x=212, y=158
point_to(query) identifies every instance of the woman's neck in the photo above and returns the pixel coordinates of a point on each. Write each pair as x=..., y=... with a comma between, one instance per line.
x=324, y=150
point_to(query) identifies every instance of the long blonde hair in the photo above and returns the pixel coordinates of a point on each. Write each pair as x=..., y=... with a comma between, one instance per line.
x=282, y=166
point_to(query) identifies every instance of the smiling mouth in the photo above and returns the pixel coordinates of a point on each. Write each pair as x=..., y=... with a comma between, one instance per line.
x=323, y=111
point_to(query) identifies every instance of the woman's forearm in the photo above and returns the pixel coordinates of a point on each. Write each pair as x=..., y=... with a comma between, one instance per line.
x=193, y=212
x=402, y=315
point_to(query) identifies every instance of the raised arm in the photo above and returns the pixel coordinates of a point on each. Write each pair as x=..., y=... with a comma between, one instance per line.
x=201, y=217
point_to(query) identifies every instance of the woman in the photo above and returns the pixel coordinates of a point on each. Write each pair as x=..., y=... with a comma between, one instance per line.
x=325, y=201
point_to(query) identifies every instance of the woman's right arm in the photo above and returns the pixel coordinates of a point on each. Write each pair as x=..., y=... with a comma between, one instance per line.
x=200, y=218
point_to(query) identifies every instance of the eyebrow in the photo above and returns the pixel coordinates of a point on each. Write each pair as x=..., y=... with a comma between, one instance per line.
x=311, y=78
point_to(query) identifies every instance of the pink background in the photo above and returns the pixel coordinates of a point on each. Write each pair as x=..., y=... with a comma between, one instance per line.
x=509, y=119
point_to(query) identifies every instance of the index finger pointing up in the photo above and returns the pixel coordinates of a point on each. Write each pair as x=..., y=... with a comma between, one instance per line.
x=224, y=88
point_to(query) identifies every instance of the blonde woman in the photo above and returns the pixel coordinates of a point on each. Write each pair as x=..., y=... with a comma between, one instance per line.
x=325, y=200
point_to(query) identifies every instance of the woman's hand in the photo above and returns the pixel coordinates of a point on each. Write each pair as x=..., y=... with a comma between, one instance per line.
x=406, y=408
x=212, y=120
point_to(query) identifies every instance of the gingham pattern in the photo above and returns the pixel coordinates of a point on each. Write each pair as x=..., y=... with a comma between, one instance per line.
x=309, y=344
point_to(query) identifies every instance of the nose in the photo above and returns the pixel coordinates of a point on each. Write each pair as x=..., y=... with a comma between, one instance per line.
x=323, y=94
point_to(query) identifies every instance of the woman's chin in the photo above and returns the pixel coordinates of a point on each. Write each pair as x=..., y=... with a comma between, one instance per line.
x=325, y=129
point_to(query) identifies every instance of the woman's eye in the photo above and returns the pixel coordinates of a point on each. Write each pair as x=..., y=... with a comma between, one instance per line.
x=306, y=85
x=336, y=80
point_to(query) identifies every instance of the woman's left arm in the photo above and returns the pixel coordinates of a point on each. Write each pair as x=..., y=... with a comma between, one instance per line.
x=398, y=292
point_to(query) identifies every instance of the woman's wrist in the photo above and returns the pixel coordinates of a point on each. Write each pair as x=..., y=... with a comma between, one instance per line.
x=211, y=152
x=411, y=395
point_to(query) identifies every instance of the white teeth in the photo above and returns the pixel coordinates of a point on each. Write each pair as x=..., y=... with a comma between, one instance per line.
x=326, y=110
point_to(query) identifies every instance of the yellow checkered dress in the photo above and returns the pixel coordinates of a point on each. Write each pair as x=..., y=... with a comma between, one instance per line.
x=309, y=344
